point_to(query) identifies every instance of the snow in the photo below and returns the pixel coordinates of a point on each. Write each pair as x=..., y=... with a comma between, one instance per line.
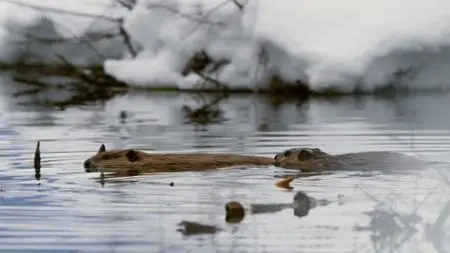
x=21, y=26
x=344, y=44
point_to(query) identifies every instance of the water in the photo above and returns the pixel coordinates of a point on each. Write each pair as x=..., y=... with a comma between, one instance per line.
x=70, y=211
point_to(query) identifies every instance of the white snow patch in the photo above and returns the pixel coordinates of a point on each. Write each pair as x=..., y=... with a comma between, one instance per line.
x=345, y=44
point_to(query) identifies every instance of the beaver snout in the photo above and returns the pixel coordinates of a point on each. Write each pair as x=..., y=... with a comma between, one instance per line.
x=88, y=166
x=279, y=159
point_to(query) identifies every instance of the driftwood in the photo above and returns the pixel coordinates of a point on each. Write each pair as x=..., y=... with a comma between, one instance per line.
x=85, y=85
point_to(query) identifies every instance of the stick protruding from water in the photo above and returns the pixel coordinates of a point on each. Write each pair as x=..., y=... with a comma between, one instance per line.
x=37, y=162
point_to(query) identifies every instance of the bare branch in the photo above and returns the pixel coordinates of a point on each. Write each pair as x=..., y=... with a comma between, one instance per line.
x=127, y=41
x=92, y=37
x=239, y=5
x=60, y=11
x=191, y=17
x=99, y=79
x=211, y=80
x=128, y=4
x=208, y=13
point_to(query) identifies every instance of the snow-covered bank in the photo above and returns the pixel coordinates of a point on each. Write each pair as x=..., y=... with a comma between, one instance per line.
x=324, y=43
x=34, y=32
x=344, y=44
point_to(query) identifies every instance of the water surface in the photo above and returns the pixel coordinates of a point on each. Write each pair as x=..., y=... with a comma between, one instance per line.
x=70, y=211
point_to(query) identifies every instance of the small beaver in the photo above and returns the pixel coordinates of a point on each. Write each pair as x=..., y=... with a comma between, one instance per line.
x=129, y=161
x=314, y=159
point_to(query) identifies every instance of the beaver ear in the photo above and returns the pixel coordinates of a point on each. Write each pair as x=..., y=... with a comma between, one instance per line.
x=132, y=155
x=102, y=148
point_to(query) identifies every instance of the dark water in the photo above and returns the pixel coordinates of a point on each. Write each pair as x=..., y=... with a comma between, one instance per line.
x=70, y=211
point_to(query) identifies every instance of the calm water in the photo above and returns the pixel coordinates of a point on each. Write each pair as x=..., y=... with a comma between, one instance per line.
x=70, y=211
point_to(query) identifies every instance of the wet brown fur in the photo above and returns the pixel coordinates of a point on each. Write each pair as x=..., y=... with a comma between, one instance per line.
x=133, y=162
x=314, y=160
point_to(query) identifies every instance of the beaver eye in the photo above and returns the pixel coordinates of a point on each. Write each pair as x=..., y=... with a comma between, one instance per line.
x=287, y=153
x=132, y=155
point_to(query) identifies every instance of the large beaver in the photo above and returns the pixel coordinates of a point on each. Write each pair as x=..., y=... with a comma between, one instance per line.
x=314, y=159
x=129, y=161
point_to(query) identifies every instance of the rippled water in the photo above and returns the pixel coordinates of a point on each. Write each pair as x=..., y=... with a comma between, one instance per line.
x=70, y=211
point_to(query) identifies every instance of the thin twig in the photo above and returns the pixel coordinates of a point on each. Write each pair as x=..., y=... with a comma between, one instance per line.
x=127, y=4
x=175, y=11
x=60, y=11
x=127, y=41
x=239, y=5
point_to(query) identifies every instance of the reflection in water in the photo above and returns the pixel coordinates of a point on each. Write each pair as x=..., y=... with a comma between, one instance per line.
x=235, y=213
x=71, y=211
x=208, y=111
x=301, y=205
x=194, y=228
x=436, y=232
x=390, y=230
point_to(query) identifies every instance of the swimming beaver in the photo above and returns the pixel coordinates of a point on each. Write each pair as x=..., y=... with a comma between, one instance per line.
x=129, y=161
x=314, y=159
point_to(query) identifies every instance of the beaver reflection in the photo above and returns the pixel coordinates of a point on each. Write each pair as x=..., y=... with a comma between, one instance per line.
x=194, y=228
x=235, y=213
x=301, y=205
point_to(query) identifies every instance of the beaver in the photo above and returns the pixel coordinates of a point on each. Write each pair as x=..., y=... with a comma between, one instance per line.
x=314, y=160
x=131, y=162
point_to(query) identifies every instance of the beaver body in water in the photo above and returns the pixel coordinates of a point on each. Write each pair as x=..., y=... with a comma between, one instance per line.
x=314, y=159
x=129, y=161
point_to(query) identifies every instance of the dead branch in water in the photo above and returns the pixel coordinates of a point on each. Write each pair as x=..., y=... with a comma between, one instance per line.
x=85, y=85
x=98, y=78
x=37, y=162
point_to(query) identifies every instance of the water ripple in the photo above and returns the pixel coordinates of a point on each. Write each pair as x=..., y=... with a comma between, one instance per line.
x=70, y=211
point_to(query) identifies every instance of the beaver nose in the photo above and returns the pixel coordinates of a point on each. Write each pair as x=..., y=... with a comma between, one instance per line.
x=87, y=165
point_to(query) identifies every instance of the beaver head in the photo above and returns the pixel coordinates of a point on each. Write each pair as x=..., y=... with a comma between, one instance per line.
x=112, y=159
x=300, y=155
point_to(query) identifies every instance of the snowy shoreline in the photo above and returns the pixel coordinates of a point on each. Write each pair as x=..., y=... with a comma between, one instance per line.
x=249, y=46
